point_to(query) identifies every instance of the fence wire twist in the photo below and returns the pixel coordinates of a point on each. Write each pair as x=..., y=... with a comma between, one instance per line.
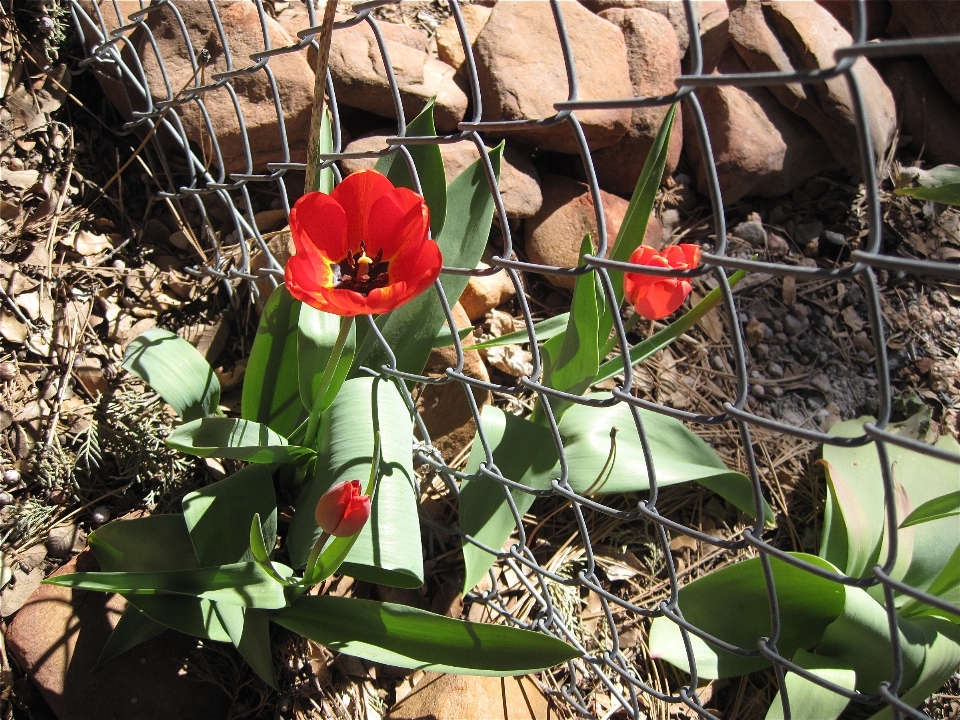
x=106, y=32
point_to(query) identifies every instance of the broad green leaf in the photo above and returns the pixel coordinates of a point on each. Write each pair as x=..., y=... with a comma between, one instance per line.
x=634, y=224
x=941, y=639
x=411, y=329
x=659, y=340
x=946, y=585
x=732, y=605
x=572, y=358
x=174, y=368
x=237, y=440
x=809, y=701
x=524, y=452
x=934, y=177
x=429, y=164
x=852, y=534
x=445, y=337
x=189, y=615
x=545, y=329
x=317, y=334
x=153, y=543
x=324, y=178
x=941, y=507
x=132, y=629
x=388, y=549
x=411, y=638
x=244, y=584
x=255, y=644
x=271, y=389
x=217, y=516
x=945, y=194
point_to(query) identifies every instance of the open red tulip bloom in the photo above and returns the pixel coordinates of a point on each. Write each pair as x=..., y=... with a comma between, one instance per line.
x=655, y=297
x=362, y=249
x=343, y=509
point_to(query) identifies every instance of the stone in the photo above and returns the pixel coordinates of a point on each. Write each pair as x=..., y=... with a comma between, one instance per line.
x=554, y=234
x=673, y=12
x=241, y=26
x=878, y=15
x=467, y=697
x=775, y=370
x=792, y=325
x=360, y=78
x=449, y=44
x=760, y=148
x=929, y=118
x=282, y=248
x=57, y=637
x=653, y=56
x=808, y=232
x=485, y=292
x=752, y=232
x=522, y=74
x=784, y=36
x=753, y=332
x=519, y=180
x=934, y=18
x=444, y=408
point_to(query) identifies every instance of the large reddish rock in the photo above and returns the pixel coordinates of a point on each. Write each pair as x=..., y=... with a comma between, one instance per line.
x=522, y=73
x=653, y=56
x=554, y=234
x=244, y=34
x=467, y=697
x=878, y=15
x=759, y=147
x=450, y=44
x=360, y=78
x=57, y=636
x=934, y=18
x=782, y=36
x=929, y=118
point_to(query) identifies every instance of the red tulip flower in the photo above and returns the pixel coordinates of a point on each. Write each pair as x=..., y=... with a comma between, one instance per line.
x=343, y=509
x=362, y=249
x=654, y=297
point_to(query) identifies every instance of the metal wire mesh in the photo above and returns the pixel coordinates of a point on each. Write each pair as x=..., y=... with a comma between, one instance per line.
x=106, y=29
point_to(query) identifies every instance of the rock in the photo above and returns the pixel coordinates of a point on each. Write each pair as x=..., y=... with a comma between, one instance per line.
x=752, y=232
x=775, y=370
x=792, y=325
x=777, y=246
x=753, y=332
x=934, y=18
x=241, y=26
x=554, y=234
x=522, y=74
x=878, y=15
x=760, y=148
x=784, y=36
x=282, y=248
x=519, y=181
x=57, y=637
x=360, y=78
x=93, y=34
x=466, y=697
x=653, y=56
x=449, y=44
x=808, y=232
x=444, y=408
x=822, y=383
x=673, y=12
x=928, y=116
x=485, y=292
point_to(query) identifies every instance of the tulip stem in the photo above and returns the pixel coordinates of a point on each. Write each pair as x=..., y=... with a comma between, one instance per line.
x=629, y=325
x=333, y=361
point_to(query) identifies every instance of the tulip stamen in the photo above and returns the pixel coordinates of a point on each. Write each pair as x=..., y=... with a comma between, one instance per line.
x=361, y=273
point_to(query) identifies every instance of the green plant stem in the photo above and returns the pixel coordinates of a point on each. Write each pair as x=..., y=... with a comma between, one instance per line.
x=311, y=434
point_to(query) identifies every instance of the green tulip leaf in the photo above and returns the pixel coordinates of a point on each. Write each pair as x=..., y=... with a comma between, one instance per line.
x=429, y=164
x=945, y=194
x=255, y=645
x=946, y=585
x=324, y=178
x=271, y=387
x=174, y=368
x=543, y=330
x=132, y=629
x=317, y=334
x=216, y=516
x=387, y=550
x=940, y=507
x=407, y=637
x=809, y=701
x=237, y=440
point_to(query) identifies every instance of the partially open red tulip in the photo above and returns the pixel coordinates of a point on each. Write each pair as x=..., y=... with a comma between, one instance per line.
x=343, y=509
x=363, y=249
x=655, y=297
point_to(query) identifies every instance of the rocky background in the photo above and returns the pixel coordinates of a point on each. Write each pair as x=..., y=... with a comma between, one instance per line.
x=91, y=257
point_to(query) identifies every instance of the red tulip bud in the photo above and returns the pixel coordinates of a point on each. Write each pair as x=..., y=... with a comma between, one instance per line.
x=343, y=509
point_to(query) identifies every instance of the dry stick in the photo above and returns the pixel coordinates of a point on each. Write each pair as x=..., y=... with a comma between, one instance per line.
x=64, y=187
x=319, y=88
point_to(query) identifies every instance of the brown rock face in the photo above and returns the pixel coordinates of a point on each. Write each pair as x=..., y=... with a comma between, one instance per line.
x=444, y=408
x=878, y=15
x=466, y=697
x=519, y=181
x=449, y=44
x=244, y=35
x=760, y=148
x=57, y=638
x=360, y=78
x=673, y=12
x=653, y=55
x=522, y=74
x=485, y=292
x=554, y=234
x=927, y=114
x=934, y=17
x=782, y=36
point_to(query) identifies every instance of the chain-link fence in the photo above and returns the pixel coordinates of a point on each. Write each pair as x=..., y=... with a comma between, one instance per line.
x=197, y=182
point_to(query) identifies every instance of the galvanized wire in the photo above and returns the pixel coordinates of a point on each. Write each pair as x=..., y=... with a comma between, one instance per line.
x=112, y=54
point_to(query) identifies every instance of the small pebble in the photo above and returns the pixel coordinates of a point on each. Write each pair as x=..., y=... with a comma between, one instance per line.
x=60, y=540
x=100, y=515
x=792, y=325
x=811, y=249
x=777, y=391
x=8, y=371
x=11, y=477
x=756, y=375
x=118, y=264
x=5, y=499
x=835, y=238
x=780, y=337
x=717, y=363
x=758, y=391
x=761, y=351
x=815, y=402
x=752, y=232
x=808, y=232
x=822, y=383
x=777, y=246
x=775, y=370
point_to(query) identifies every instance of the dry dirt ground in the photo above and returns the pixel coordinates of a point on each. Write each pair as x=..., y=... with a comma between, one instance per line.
x=89, y=258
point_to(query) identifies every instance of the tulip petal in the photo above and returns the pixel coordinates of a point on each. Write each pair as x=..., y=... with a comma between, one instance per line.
x=357, y=194
x=318, y=222
x=397, y=220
